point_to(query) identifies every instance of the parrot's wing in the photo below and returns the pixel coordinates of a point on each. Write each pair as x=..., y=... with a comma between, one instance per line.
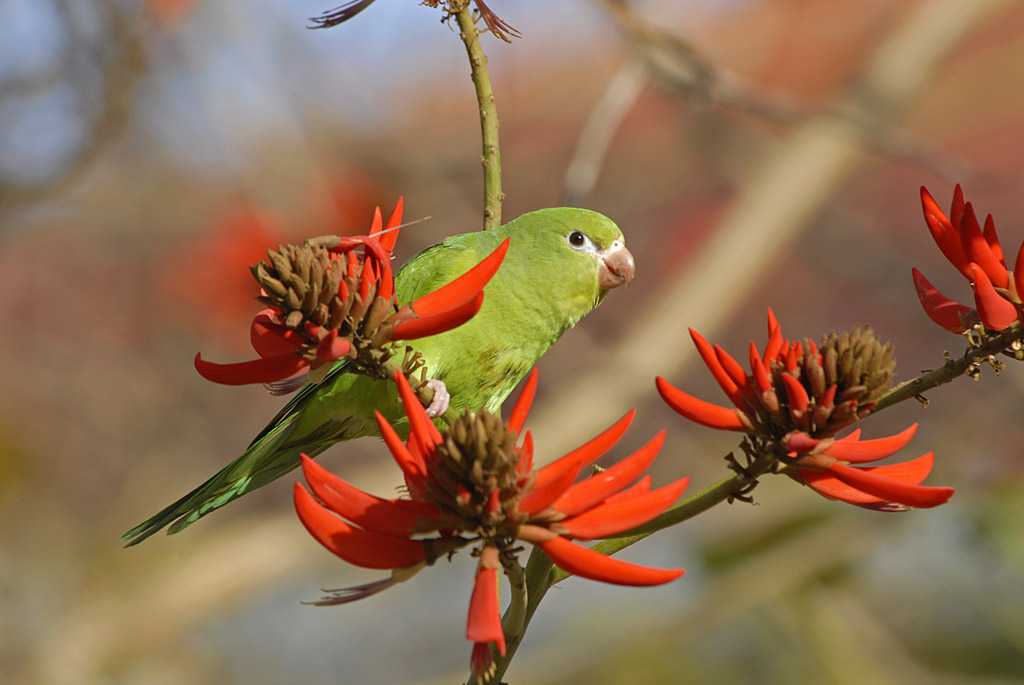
x=273, y=453
x=217, y=491
x=298, y=398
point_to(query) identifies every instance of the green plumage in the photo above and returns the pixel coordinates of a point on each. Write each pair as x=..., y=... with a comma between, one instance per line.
x=544, y=286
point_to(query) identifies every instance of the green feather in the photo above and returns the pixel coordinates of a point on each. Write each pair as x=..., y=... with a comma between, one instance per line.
x=544, y=287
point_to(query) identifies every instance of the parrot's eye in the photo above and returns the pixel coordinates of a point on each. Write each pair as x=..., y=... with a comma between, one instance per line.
x=578, y=241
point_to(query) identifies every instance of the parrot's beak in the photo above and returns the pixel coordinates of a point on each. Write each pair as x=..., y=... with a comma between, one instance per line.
x=617, y=266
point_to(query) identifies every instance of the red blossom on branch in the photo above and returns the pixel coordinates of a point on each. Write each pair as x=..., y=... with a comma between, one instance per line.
x=976, y=253
x=475, y=485
x=824, y=466
x=796, y=397
x=329, y=301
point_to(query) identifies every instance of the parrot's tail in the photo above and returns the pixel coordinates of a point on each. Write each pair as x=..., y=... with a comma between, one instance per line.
x=268, y=458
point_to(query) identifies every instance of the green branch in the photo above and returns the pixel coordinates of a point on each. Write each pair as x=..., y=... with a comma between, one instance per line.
x=491, y=157
x=982, y=351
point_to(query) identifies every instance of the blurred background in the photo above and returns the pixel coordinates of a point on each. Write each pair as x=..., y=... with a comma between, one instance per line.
x=755, y=152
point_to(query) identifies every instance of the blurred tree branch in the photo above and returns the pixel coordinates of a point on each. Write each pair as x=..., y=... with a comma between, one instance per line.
x=673, y=64
x=101, y=68
x=783, y=191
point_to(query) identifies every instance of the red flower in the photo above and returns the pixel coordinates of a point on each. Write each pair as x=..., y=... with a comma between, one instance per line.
x=824, y=466
x=977, y=254
x=327, y=303
x=475, y=485
x=797, y=396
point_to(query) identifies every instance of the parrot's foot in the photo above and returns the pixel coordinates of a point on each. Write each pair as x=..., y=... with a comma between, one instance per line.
x=439, y=404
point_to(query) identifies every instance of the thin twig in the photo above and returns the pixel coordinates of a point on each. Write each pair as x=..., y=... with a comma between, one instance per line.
x=538, y=579
x=104, y=104
x=515, y=617
x=491, y=156
x=596, y=138
x=953, y=368
x=679, y=67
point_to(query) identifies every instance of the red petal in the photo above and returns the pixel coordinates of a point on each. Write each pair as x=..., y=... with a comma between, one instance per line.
x=526, y=454
x=993, y=240
x=939, y=308
x=795, y=350
x=412, y=467
x=798, y=399
x=361, y=508
x=945, y=235
x=593, y=565
x=736, y=373
x=595, y=489
x=540, y=497
x=366, y=278
x=356, y=546
x=949, y=243
x=704, y=413
x=1018, y=272
x=387, y=282
x=610, y=518
x=996, y=312
x=828, y=398
x=387, y=240
x=585, y=454
x=707, y=353
x=897, y=483
x=422, y=429
x=859, y=451
x=775, y=340
x=270, y=339
x=439, y=322
x=264, y=370
x=773, y=323
x=978, y=251
x=463, y=288
x=332, y=347
x=641, y=487
x=801, y=443
x=375, y=224
x=484, y=624
x=956, y=207
x=517, y=418
x=758, y=371
x=931, y=206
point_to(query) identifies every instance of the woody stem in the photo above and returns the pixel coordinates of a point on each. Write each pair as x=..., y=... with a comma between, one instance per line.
x=491, y=156
x=952, y=368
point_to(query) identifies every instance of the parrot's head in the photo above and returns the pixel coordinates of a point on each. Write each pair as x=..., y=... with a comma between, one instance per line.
x=578, y=253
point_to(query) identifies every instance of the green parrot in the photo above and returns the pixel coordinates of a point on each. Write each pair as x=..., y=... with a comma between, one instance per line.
x=560, y=264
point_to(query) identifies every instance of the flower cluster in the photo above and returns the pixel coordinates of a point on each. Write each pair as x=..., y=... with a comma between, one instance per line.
x=475, y=484
x=797, y=396
x=325, y=302
x=978, y=256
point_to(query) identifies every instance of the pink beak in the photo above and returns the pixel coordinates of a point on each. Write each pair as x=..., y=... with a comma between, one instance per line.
x=617, y=266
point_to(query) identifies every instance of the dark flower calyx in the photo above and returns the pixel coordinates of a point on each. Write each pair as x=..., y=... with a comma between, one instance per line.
x=299, y=282
x=858, y=364
x=476, y=469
